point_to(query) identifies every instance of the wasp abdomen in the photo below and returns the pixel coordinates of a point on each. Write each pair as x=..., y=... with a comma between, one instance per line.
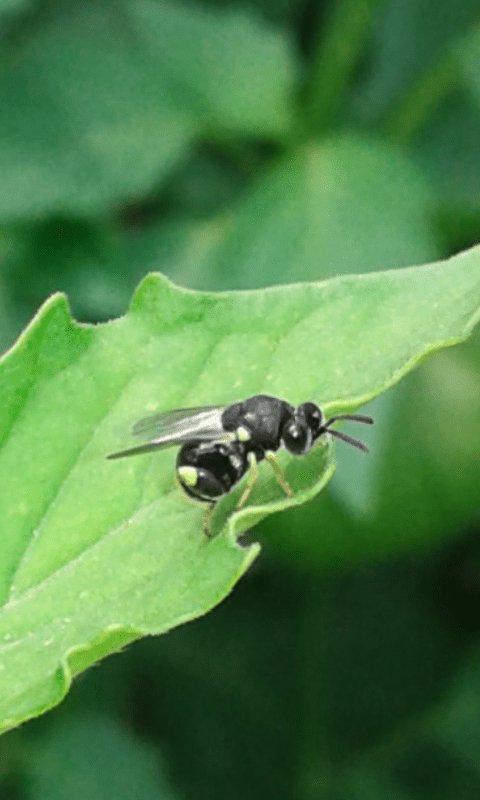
x=206, y=470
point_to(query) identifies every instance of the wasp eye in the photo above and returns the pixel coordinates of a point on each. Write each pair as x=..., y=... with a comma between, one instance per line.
x=297, y=438
x=312, y=415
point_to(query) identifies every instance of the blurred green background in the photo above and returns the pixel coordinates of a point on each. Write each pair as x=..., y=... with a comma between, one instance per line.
x=235, y=145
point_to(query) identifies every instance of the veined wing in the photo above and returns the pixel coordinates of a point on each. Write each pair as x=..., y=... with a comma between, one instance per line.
x=175, y=427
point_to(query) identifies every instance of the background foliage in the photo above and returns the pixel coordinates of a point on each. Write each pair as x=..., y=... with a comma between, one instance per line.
x=239, y=146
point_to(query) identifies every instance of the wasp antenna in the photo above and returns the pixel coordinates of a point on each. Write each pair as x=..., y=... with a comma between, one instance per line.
x=352, y=417
x=350, y=440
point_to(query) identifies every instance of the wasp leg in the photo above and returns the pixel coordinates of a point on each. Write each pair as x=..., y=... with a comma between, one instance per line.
x=206, y=520
x=272, y=459
x=251, y=479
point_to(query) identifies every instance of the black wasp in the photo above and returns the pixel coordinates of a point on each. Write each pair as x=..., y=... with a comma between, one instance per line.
x=221, y=443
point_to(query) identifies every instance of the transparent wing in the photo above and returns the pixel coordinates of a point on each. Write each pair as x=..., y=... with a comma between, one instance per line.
x=175, y=427
x=178, y=417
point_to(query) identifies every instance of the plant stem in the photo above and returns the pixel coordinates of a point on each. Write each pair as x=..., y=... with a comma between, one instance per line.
x=337, y=54
x=425, y=95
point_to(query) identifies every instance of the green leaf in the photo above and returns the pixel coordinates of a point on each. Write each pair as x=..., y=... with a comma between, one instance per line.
x=447, y=142
x=86, y=120
x=345, y=205
x=59, y=769
x=447, y=151
x=96, y=553
x=8, y=7
x=468, y=54
x=406, y=44
x=99, y=102
x=243, y=80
